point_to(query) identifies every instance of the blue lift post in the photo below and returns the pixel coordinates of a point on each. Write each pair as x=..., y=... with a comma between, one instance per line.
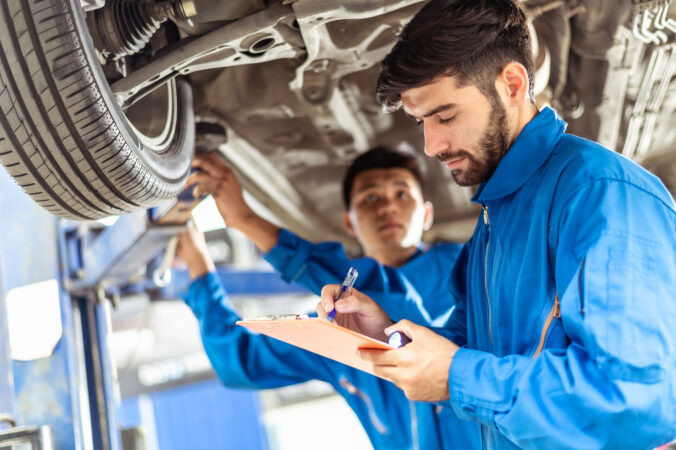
x=42, y=391
x=95, y=264
x=7, y=410
x=73, y=390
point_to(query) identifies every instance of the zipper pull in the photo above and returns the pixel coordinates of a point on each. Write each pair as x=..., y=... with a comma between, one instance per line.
x=487, y=221
x=557, y=307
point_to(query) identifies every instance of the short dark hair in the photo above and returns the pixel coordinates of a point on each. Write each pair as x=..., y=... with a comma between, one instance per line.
x=470, y=39
x=381, y=158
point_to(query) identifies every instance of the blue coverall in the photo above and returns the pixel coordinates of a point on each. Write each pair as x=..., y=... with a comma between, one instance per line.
x=417, y=291
x=566, y=300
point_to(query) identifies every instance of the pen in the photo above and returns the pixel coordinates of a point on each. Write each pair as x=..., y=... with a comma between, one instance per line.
x=398, y=339
x=348, y=282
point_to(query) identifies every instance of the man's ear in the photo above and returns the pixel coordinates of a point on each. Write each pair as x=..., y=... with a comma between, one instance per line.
x=512, y=83
x=347, y=223
x=429, y=216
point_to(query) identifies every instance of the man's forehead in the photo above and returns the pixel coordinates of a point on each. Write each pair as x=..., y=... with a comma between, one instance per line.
x=431, y=98
x=382, y=176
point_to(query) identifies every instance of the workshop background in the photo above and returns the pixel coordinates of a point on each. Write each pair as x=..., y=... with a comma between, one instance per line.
x=96, y=349
x=127, y=369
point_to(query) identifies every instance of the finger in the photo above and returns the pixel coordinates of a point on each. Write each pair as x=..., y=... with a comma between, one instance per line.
x=329, y=293
x=200, y=162
x=321, y=312
x=379, y=357
x=356, y=302
x=353, y=304
x=388, y=373
x=190, y=181
x=200, y=177
x=199, y=191
x=217, y=162
x=403, y=326
x=210, y=163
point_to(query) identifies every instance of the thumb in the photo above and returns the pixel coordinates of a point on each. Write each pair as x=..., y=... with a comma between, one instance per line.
x=403, y=326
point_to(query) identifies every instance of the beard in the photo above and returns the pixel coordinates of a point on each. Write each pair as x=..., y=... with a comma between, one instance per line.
x=492, y=147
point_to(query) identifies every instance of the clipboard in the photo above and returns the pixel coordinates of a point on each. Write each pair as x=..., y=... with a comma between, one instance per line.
x=321, y=337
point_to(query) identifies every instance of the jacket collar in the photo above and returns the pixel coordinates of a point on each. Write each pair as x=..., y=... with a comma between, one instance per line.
x=527, y=154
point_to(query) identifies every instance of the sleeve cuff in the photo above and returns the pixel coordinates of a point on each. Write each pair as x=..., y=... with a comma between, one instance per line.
x=464, y=386
x=198, y=284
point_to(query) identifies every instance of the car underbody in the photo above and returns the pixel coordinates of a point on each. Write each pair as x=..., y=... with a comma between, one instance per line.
x=286, y=90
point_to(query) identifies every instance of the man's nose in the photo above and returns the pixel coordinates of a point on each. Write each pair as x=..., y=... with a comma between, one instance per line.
x=435, y=141
x=387, y=206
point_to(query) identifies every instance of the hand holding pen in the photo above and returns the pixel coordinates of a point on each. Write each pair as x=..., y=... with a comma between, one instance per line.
x=358, y=312
x=344, y=290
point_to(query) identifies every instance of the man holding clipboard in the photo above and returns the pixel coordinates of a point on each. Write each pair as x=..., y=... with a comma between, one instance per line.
x=563, y=333
x=386, y=212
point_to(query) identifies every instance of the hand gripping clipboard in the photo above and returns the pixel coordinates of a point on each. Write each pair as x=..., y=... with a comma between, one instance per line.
x=321, y=337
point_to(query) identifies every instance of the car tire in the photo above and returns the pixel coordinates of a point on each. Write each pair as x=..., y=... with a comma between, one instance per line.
x=63, y=138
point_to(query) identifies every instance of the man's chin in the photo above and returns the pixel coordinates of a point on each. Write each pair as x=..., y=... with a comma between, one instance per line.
x=462, y=178
x=391, y=235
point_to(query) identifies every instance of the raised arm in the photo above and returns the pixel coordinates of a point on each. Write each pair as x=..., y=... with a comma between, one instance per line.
x=240, y=358
x=213, y=177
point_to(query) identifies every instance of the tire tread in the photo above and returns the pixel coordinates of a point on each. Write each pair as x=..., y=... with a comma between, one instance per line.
x=58, y=135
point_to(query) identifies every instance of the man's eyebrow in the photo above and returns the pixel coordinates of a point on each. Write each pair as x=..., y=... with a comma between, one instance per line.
x=367, y=186
x=401, y=183
x=436, y=110
x=439, y=109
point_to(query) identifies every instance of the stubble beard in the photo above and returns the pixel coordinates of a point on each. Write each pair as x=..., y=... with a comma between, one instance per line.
x=492, y=147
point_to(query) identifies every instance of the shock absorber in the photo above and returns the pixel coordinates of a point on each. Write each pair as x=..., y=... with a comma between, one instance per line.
x=124, y=27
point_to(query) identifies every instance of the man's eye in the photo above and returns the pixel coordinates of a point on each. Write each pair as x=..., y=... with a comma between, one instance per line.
x=371, y=198
x=446, y=120
x=402, y=195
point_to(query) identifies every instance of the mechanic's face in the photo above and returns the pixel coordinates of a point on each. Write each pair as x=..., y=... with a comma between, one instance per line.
x=463, y=128
x=387, y=211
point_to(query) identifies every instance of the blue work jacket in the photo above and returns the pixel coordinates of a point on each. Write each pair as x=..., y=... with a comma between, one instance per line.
x=566, y=300
x=417, y=290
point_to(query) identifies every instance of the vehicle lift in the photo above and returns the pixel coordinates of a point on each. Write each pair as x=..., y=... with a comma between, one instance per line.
x=70, y=394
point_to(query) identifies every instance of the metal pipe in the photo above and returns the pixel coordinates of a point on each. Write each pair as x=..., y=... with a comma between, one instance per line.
x=655, y=105
x=636, y=28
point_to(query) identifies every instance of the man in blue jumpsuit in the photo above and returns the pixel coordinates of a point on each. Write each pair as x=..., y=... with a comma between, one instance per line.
x=387, y=214
x=563, y=333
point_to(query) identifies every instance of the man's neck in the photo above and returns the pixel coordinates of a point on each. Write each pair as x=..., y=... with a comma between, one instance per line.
x=393, y=257
x=525, y=115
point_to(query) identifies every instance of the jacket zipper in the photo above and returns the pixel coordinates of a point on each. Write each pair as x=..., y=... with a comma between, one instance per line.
x=554, y=313
x=487, y=222
x=579, y=288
